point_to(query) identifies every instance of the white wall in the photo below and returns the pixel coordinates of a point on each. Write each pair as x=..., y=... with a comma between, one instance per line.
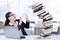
x=21, y=7
x=3, y=9
x=52, y=6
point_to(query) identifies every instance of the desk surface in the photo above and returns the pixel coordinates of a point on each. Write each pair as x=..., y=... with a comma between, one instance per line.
x=31, y=37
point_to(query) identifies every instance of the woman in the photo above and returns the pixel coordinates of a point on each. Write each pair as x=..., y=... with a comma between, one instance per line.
x=11, y=21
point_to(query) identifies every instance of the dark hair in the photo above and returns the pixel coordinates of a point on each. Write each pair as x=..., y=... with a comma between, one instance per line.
x=7, y=16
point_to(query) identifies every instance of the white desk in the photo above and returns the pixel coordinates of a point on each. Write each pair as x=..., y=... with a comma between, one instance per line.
x=32, y=37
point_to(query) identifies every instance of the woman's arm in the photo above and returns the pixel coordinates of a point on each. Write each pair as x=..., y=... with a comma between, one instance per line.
x=27, y=22
x=26, y=25
x=22, y=24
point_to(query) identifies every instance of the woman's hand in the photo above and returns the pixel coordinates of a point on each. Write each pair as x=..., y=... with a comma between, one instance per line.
x=20, y=21
x=26, y=18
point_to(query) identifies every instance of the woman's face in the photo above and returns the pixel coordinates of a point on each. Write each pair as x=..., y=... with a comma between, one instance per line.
x=12, y=17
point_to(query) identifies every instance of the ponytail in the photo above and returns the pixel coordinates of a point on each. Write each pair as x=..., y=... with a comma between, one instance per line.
x=7, y=20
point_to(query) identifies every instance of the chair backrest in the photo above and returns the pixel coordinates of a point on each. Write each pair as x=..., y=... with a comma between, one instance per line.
x=1, y=25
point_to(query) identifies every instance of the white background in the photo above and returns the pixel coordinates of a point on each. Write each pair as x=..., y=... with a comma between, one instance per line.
x=21, y=7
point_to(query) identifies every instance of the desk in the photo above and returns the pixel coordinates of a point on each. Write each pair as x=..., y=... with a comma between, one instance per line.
x=32, y=37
